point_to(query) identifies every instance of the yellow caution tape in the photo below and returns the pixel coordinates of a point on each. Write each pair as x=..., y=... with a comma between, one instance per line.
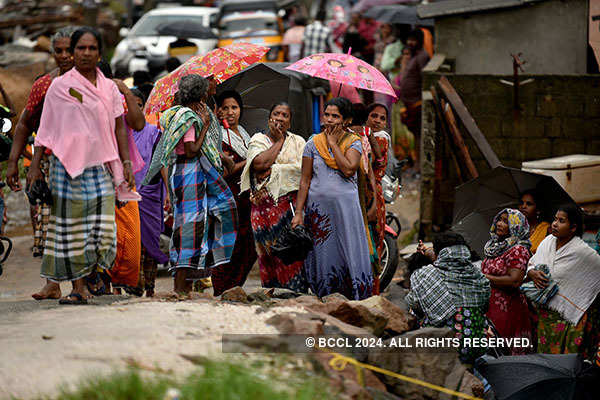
x=339, y=363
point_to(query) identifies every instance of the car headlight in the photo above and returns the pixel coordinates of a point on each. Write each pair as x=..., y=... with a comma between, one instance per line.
x=273, y=53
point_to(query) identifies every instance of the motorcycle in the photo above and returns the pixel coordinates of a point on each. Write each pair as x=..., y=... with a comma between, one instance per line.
x=5, y=249
x=391, y=184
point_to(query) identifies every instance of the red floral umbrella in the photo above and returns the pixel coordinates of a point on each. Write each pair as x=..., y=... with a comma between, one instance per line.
x=221, y=63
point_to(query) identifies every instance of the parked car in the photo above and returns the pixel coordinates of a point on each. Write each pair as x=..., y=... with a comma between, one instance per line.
x=251, y=21
x=143, y=48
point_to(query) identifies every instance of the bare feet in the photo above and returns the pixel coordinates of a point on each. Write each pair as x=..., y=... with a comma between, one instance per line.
x=181, y=284
x=50, y=291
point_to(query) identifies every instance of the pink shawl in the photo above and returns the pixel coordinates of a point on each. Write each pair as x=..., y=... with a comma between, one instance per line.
x=78, y=125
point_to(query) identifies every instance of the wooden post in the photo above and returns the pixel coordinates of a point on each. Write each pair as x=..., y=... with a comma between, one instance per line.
x=442, y=122
x=469, y=123
x=459, y=143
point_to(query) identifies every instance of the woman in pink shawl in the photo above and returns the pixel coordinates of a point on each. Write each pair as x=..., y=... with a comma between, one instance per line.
x=81, y=124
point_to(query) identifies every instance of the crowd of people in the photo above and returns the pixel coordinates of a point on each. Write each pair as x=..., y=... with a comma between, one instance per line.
x=399, y=52
x=538, y=281
x=101, y=180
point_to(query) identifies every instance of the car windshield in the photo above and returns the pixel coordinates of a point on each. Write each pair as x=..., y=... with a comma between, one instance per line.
x=148, y=25
x=248, y=26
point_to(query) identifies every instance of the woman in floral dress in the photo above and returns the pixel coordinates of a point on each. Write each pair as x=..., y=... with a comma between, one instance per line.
x=505, y=264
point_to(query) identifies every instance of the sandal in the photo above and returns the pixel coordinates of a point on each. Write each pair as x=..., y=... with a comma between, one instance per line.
x=78, y=299
x=99, y=291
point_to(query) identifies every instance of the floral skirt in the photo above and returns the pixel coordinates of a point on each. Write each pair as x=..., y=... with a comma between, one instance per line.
x=557, y=336
x=469, y=323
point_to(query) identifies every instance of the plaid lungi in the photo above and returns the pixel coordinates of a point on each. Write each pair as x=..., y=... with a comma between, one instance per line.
x=204, y=218
x=81, y=230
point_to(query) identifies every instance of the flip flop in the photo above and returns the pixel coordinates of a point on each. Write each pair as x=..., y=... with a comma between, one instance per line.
x=78, y=299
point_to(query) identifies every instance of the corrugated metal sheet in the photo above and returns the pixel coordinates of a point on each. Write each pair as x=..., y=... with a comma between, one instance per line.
x=453, y=7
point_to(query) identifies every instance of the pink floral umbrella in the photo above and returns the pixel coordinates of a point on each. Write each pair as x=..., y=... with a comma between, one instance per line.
x=344, y=69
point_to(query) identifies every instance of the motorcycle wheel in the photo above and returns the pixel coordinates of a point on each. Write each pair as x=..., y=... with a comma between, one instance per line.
x=389, y=260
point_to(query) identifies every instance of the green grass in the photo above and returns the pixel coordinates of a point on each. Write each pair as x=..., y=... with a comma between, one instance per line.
x=214, y=380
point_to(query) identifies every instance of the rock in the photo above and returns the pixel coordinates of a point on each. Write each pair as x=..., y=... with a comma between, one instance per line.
x=334, y=326
x=346, y=379
x=297, y=324
x=377, y=394
x=437, y=366
x=396, y=294
x=236, y=294
x=304, y=300
x=399, y=321
x=471, y=385
x=285, y=294
x=259, y=296
x=334, y=297
x=355, y=313
x=329, y=307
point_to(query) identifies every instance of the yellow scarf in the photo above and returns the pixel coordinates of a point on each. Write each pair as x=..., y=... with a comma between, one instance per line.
x=539, y=234
x=345, y=142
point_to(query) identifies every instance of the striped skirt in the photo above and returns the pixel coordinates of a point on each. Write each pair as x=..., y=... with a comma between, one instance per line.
x=81, y=228
x=204, y=217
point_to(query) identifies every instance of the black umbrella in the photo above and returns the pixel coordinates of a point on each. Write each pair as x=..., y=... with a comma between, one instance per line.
x=398, y=14
x=538, y=377
x=262, y=85
x=479, y=200
x=186, y=29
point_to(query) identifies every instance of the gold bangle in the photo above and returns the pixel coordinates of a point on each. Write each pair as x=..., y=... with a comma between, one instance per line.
x=127, y=162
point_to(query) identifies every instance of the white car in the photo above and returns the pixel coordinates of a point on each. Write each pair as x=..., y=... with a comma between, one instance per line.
x=144, y=49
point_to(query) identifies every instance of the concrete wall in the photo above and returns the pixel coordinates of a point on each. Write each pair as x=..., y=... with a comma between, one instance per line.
x=552, y=35
x=559, y=115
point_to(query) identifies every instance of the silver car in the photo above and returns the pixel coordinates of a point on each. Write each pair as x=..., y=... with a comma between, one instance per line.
x=142, y=48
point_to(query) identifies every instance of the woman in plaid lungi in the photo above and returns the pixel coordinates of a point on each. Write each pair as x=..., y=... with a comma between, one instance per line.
x=29, y=122
x=81, y=124
x=204, y=214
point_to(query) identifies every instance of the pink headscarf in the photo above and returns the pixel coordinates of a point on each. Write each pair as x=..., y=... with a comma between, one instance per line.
x=78, y=125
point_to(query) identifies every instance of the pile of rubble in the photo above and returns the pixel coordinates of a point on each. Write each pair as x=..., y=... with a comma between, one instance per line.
x=25, y=30
x=32, y=19
x=371, y=319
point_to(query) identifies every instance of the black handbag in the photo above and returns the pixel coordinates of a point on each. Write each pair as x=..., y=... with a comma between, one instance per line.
x=293, y=245
x=39, y=190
